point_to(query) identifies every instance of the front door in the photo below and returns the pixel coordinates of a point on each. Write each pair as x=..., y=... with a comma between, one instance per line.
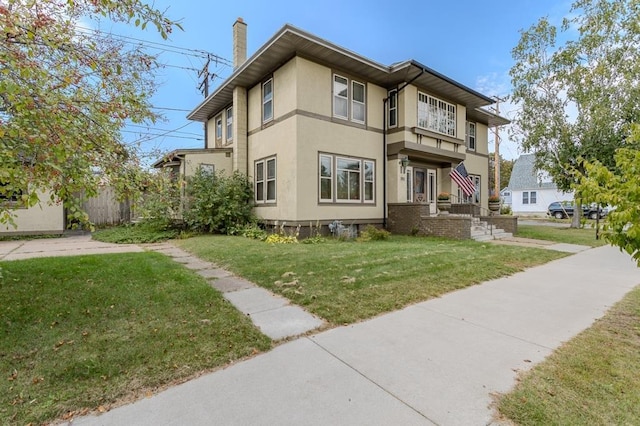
x=424, y=187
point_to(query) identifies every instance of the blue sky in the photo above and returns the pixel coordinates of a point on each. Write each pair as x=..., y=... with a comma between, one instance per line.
x=467, y=40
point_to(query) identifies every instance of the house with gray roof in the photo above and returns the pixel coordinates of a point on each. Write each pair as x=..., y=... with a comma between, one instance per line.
x=532, y=190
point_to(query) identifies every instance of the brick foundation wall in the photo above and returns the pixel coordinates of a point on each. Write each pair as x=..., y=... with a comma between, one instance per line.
x=448, y=226
x=404, y=218
x=472, y=209
x=508, y=223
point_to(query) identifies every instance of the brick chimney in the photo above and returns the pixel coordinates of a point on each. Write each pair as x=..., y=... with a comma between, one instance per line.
x=239, y=43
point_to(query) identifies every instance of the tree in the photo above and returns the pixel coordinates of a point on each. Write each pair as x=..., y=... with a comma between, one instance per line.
x=578, y=97
x=65, y=94
x=619, y=187
x=506, y=166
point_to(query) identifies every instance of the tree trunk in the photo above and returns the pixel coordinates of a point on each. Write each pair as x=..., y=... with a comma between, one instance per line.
x=577, y=214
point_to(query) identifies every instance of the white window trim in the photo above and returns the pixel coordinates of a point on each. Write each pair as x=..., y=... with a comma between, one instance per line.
x=218, y=120
x=533, y=197
x=266, y=101
x=363, y=103
x=321, y=178
x=365, y=181
x=439, y=115
x=349, y=99
x=229, y=123
x=335, y=95
x=470, y=125
x=525, y=197
x=265, y=181
x=393, y=95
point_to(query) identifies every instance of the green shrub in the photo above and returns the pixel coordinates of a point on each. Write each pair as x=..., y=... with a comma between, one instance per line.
x=216, y=203
x=506, y=210
x=252, y=231
x=160, y=205
x=134, y=234
x=281, y=239
x=371, y=233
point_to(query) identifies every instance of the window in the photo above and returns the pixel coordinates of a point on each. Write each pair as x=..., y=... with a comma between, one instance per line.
x=346, y=179
x=265, y=180
x=471, y=136
x=340, y=97
x=393, y=108
x=475, y=197
x=208, y=169
x=369, y=188
x=9, y=195
x=229, y=123
x=529, y=197
x=267, y=101
x=436, y=115
x=219, y=127
x=357, y=103
x=345, y=94
x=326, y=178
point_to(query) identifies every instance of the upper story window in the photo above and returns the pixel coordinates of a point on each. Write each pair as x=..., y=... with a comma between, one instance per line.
x=357, y=102
x=219, y=127
x=349, y=99
x=393, y=108
x=230, y=123
x=267, y=100
x=436, y=115
x=471, y=136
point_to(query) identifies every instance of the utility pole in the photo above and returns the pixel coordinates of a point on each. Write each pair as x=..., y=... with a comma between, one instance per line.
x=496, y=154
x=204, y=88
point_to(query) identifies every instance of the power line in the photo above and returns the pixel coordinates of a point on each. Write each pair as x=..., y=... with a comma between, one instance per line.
x=162, y=46
x=162, y=130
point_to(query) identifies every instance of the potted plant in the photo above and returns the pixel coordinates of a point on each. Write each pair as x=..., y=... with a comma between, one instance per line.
x=494, y=203
x=444, y=203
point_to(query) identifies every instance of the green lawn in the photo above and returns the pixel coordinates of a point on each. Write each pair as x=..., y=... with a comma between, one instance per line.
x=344, y=282
x=591, y=380
x=83, y=332
x=585, y=237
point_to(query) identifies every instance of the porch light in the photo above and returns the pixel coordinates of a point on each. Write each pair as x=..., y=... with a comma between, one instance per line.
x=404, y=162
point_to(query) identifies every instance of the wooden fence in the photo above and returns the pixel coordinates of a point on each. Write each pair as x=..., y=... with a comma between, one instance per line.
x=105, y=209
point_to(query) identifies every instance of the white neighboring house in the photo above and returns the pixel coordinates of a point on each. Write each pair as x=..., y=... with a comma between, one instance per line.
x=533, y=190
x=505, y=196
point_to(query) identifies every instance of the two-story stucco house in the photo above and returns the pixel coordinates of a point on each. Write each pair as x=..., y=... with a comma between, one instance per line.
x=327, y=134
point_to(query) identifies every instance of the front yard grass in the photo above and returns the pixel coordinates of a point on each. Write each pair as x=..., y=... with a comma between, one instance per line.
x=345, y=282
x=591, y=380
x=81, y=333
x=582, y=236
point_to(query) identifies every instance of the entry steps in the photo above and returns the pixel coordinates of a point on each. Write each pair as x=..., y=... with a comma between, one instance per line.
x=483, y=231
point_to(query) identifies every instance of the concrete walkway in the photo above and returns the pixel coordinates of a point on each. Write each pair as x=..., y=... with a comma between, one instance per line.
x=436, y=362
x=274, y=315
x=547, y=245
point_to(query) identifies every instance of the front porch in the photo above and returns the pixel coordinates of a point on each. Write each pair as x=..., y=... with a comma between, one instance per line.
x=461, y=224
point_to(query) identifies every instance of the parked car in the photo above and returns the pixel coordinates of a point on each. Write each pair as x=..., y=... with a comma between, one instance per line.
x=562, y=209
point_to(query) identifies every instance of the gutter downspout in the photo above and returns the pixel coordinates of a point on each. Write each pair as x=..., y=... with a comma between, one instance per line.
x=384, y=161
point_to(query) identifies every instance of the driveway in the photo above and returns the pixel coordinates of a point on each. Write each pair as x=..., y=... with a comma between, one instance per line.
x=74, y=245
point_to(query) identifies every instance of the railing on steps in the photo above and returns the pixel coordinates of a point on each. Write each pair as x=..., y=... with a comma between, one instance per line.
x=471, y=209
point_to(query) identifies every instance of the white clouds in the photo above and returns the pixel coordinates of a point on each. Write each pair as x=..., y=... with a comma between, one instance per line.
x=499, y=85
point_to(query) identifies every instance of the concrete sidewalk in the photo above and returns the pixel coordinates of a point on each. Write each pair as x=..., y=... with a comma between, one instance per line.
x=436, y=362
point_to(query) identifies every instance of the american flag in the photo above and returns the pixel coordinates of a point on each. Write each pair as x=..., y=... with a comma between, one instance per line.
x=461, y=177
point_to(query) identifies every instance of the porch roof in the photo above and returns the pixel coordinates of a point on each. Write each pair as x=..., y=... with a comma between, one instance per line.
x=291, y=41
x=414, y=150
x=176, y=156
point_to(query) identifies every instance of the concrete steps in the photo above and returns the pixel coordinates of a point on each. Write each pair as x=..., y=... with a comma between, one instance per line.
x=482, y=231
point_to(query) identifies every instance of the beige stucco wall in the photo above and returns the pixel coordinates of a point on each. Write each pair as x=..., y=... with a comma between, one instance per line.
x=220, y=160
x=482, y=139
x=314, y=87
x=479, y=165
x=42, y=218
